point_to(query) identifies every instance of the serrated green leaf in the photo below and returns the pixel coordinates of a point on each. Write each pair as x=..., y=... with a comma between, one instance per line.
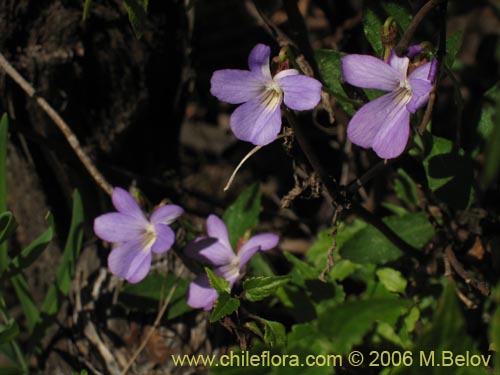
x=243, y=214
x=8, y=332
x=453, y=44
x=137, y=13
x=147, y=294
x=348, y=323
x=372, y=26
x=274, y=333
x=220, y=284
x=258, y=288
x=371, y=246
x=449, y=172
x=342, y=269
x=225, y=305
x=301, y=270
x=4, y=140
x=254, y=327
x=392, y=279
x=405, y=188
x=331, y=72
x=7, y=225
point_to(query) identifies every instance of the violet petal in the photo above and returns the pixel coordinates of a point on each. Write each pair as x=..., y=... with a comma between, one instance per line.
x=414, y=50
x=200, y=294
x=391, y=140
x=300, y=92
x=216, y=228
x=400, y=64
x=130, y=261
x=420, y=94
x=420, y=72
x=369, y=72
x=166, y=214
x=259, y=242
x=257, y=123
x=258, y=61
x=209, y=250
x=125, y=203
x=235, y=86
x=118, y=227
x=165, y=238
x=368, y=120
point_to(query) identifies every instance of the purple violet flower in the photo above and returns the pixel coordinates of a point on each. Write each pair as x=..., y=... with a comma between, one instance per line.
x=137, y=237
x=258, y=119
x=384, y=123
x=216, y=250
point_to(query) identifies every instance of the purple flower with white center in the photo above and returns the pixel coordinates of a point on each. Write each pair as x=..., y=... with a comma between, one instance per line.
x=384, y=123
x=136, y=236
x=258, y=119
x=216, y=250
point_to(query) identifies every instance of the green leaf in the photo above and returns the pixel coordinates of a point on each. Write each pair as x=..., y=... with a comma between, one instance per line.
x=331, y=72
x=4, y=141
x=33, y=250
x=147, y=294
x=348, y=323
x=400, y=11
x=86, y=9
x=7, y=225
x=453, y=44
x=274, y=333
x=317, y=253
x=11, y=370
x=393, y=280
x=492, y=160
x=243, y=214
x=60, y=287
x=449, y=172
x=372, y=26
x=220, y=284
x=258, y=288
x=446, y=332
x=301, y=270
x=489, y=108
x=225, y=305
x=8, y=332
x=30, y=310
x=405, y=188
x=137, y=14
x=371, y=246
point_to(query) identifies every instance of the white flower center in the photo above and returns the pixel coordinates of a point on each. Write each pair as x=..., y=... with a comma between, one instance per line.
x=150, y=236
x=272, y=96
x=404, y=92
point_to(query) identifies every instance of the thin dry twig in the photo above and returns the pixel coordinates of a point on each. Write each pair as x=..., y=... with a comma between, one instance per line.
x=459, y=269
x=152, y=330
x=60, y=123
x=449, y=274
x=92, y=335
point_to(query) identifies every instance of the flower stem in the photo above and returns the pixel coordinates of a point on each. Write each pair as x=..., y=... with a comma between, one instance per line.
x=402, y=47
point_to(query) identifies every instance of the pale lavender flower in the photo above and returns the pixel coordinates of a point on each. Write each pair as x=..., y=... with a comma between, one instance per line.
x=216, y=250
x=136, y=236
x=384, y=123
x=258, y=120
